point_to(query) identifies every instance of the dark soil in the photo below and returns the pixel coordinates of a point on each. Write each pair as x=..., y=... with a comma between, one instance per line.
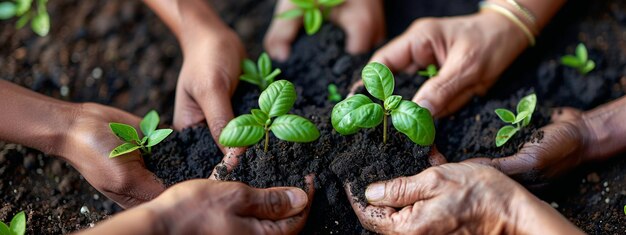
x=119, y=53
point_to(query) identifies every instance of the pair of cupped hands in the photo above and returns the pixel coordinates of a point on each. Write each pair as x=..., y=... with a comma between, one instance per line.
x=454, y=197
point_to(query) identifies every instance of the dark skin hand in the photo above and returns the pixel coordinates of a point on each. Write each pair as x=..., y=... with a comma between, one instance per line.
x=79, y=134
x=214, y=207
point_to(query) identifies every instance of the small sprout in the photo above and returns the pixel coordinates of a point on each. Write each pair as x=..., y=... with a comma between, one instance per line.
x=430, y=71
x=312, y=12
x=17, y=225
x=129, y=135
x=359, y=111
x=274, y=102
x=40, y=23
x=333, y=94
x=261, y=73
x=525, y=110
x=580, y=61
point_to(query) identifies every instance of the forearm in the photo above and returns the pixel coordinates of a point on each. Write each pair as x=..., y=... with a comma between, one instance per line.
x=187, y=19
x=32, y=119
x=139, y=220
x=607, y=129
x=537, y=217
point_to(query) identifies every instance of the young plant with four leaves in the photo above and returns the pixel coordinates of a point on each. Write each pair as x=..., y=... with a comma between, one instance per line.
x=525, y=110
x=17, y=225
x=313, y=12
x=261, y=73
x=359, y=111
x=129, y=135
x=40, y=23
x=430, y=71
x=580, y=61
x=274, y=103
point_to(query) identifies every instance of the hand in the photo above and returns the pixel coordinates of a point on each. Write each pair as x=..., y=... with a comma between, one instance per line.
x=86, y=146
x=469, y=50
x=458, y=198
x=363, y=21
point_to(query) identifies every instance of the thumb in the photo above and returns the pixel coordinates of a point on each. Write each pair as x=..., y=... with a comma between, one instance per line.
x=282, y=33
x=403, y=191
x=275, y=203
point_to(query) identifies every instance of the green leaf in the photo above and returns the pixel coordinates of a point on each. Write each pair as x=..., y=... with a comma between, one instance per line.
x=312, y=20
x=415, y=122
x=269, y=79
x=125, y=132
x=157, y=136
x=571, y=61
x=504, y=134
x=260, y=116
x=23, y=6
x=149, y=123
x=521, y=116
x=18, y=223
x=431, y=71
x=242, y=131
x=354, y=113
x=252, y=79
x=333, y=94
x=7, y=10
x=278, y=98
x=331, y=3
x=392, y=102
x=248, y=67
x=123, y=149
x=41, y=24
x=624, y=209
x=589, y=66
x=264, y=64
x=378, y=80
x=304, y=3
x=581, y=53
x=294, y=128
x=505, y=115
x=290, y=14
x=4, y=229
x=22, y=21
x=528, y=103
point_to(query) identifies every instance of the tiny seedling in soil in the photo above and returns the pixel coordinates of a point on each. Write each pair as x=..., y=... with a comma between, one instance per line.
x=275, y=102
x=580, y=61
x=261, y=73
x=525, y=109
x=39, y=18
x=333, y=94
x=17, y=225
x=429, y=72
x=313, y=13
x=129, y=135
x=359, y=111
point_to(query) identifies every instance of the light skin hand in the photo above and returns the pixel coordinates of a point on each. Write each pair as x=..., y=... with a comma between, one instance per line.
x=363, y=22
x=214, y=207
x=462, y=198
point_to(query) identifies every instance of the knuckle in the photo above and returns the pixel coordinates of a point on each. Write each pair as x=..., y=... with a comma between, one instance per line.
x=275, y=203
x=398, y=189
x=424, y=23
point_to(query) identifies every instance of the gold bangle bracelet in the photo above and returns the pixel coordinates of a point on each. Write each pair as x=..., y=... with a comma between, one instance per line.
x=509, y=15
x=525, y=12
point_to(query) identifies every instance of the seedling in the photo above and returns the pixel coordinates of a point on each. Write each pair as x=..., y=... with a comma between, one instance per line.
x=333, y=94
x=18, y=225
x=580, y=61
x=429, y=72
x=40, y=23
x=274, y=103
x=260, y=74
x=525, y=109
x=358, y=111
x=129, y=135
x=313, y=13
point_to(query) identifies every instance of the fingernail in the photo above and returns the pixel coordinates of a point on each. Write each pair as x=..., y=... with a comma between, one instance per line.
x=375, y=192
x=427, y=105
x=297, y=198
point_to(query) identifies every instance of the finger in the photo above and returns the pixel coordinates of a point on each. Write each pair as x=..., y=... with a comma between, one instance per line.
x=228, y=163
x=373, y=218
x=404, y=191
x=436, y=158
x=363, y=27
x=355, y=87
x=275, y=203
x=282, y=33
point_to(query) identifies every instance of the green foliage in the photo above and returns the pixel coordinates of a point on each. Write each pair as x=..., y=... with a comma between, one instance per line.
x=40, y=20
x=525, y=109
x=358, y=112
x=333, y=93
x=311, y=11
x=580, y=61
x=261, y=73
x=17, y=225
x=132, y=142
x=274, y=102
x=430, y=71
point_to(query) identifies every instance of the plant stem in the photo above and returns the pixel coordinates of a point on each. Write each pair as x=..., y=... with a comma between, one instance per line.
x=385, y=129
x=267, y=139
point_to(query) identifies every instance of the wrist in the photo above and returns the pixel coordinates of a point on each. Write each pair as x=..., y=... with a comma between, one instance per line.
x=533, y=216
x=504, y=28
